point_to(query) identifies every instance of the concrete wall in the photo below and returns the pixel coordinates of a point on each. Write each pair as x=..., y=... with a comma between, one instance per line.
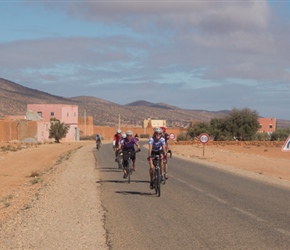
x=18, y=130
x=108, y=132
x=86, y=126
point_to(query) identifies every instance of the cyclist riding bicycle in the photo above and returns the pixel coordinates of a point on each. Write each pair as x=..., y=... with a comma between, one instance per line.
x=157, y=146
x=166, y=137
x=127, y=144
x=116, y=140
x=98, y=138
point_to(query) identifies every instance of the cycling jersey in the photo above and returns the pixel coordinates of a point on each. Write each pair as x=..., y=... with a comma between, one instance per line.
x=126, y=145
x=166, y=137
x=157, y=145
x=117, y=138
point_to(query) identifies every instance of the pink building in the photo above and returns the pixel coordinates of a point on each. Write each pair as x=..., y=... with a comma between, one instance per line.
x=67, y=114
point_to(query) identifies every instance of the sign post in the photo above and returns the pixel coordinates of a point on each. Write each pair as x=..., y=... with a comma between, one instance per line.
x=203, y=138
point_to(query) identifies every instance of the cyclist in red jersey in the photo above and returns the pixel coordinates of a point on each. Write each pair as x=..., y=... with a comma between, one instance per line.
x=116, y=140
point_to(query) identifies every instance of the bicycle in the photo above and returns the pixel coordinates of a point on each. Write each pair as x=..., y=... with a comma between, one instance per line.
x=157, y=175
x=128, y=163
x=165, y=164
x=98, y=145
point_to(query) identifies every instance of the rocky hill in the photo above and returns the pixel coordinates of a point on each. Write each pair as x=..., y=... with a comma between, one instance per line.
x=14, y=99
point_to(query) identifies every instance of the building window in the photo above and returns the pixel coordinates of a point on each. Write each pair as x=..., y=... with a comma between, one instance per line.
x=39, y=113
x=67, y=114
x=270, y=126
x=75, y=114
x=51, y=113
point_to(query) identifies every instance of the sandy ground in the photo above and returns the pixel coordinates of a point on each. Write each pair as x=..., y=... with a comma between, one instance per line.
x=26, y=170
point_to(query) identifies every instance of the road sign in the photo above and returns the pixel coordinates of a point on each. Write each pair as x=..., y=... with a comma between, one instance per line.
x=203, y=138
x=171, y=136
x=286, y=147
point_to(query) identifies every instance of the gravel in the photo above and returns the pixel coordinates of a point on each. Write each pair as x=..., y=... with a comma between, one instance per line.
x=68, y=213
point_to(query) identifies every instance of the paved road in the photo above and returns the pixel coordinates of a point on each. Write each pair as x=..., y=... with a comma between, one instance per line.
x=200, y=208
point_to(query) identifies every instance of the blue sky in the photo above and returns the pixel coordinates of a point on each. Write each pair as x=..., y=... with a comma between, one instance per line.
x=210, y=55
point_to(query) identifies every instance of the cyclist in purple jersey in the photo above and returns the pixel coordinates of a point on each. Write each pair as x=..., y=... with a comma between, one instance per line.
x=157, y=145
x=129, y=143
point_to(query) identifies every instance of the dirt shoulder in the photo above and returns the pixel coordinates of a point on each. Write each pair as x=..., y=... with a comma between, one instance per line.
x=263, y=160
x=25, y=169
x=63, y=211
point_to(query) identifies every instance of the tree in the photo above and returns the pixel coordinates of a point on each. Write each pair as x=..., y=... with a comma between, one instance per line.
x=58, y=130
x=242, y=124
x=198, y=128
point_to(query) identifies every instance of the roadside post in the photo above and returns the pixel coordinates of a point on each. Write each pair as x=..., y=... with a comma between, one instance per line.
x=203, y=138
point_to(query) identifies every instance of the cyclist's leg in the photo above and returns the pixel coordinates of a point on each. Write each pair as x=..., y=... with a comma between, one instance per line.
x=161, y=165
x=151, y=171
x=125, y=164
x=165, y=162
x=133, y=157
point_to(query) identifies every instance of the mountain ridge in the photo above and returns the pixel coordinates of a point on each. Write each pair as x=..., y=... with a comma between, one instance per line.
x=15, y=97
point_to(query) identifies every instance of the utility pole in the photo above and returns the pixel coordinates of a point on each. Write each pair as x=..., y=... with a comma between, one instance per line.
x=85, y=121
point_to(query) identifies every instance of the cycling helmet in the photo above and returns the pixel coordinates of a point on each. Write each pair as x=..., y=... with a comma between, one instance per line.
x=163, y=129
x=118, y=131
x=124, y=135
x=129, y=132
x=158, y=130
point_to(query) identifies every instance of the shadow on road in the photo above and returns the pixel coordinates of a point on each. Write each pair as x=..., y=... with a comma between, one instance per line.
x=122, y=181
x=132, y=193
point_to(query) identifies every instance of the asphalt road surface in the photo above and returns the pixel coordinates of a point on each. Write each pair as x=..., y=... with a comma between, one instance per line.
x=200, y=208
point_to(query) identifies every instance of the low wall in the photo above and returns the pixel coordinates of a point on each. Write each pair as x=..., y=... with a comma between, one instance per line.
x=234, y=143
x=108, y=133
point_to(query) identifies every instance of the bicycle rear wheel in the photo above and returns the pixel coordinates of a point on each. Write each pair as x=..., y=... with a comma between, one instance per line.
x=155, y=181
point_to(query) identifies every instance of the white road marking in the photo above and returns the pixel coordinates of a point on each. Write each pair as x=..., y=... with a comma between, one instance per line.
x=249, y=214
x=216, y=198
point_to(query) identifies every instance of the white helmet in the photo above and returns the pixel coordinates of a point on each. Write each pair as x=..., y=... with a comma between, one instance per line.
x=158, y=130
x=118, y=131
x=129, y=132
x=124, y=135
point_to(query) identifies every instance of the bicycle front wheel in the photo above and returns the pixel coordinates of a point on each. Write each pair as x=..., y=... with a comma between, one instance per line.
x=129, y=170
x=158, y=179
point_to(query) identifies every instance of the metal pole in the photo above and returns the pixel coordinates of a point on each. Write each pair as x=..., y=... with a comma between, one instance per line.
x=85, y=121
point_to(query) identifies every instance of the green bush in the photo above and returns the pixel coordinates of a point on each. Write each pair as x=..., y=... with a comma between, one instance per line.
x=144, y=136
x=183, y=137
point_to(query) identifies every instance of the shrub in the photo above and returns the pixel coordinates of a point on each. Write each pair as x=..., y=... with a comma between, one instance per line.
x=144, y=136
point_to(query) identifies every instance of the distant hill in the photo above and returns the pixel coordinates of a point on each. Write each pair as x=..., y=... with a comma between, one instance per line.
x=14, y=99
x=142, y=103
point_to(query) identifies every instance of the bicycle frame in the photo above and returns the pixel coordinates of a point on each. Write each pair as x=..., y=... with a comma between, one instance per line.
x=157, y=175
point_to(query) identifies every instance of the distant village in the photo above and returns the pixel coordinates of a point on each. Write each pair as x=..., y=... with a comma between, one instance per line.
x=35, y=124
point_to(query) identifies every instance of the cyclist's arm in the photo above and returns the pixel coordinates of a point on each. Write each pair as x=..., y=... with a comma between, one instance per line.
x=150, y=150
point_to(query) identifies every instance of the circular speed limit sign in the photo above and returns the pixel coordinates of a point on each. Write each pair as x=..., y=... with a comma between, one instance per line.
x=171, y=136
x=203, y=138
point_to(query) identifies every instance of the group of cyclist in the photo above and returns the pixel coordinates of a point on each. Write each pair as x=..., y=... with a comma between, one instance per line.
x=158, y=145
